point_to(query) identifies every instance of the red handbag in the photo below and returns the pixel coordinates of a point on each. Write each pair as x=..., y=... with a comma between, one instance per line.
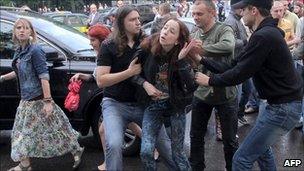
x=71, y=102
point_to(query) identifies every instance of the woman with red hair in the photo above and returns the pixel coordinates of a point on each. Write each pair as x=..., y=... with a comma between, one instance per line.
x=97, y=34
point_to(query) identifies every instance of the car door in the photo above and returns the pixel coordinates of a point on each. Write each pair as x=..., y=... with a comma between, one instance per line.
x=84, y=19
x=9, y=97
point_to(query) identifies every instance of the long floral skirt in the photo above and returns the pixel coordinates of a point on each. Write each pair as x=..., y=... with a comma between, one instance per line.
x=34, y=135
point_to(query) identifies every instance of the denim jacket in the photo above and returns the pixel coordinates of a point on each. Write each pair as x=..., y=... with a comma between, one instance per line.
x=30, y=66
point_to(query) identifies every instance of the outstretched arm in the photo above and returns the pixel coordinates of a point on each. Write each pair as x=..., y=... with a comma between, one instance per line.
x=8, y=76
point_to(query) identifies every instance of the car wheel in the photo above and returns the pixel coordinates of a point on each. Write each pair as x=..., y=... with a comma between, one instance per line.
x=131, y=144
x=95, y=125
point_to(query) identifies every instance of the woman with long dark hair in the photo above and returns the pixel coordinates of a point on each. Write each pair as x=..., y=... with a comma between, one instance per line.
x=168, y=80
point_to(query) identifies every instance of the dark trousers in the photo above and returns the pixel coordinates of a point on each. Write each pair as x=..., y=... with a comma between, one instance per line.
x=201, y=113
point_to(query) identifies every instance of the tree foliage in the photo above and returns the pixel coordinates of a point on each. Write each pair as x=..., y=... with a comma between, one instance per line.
x=71, y=5
x=5, y=3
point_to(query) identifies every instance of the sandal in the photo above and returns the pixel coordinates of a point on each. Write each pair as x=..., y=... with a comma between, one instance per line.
x=77, y=158
x=22, y=168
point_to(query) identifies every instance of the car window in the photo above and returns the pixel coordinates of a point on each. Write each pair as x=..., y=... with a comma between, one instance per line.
x=73, y=21
x=6, y=42
x=84, y=19
x=7, y=47
x=62, y=35
x=148, y=10
x=59, y=18
x=48, y=47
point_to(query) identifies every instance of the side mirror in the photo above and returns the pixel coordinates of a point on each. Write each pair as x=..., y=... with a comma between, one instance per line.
x=50, y=53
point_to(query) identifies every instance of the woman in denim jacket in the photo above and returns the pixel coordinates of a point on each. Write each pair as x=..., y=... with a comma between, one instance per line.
x=41, y=129
x=169, y=84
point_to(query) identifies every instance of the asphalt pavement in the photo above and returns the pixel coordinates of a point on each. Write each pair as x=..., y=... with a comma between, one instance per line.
x=290, y=146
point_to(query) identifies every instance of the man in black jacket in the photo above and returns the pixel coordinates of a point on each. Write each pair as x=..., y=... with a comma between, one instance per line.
x=267, y=59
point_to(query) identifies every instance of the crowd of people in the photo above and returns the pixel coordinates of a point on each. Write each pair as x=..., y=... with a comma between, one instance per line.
x=218, y=68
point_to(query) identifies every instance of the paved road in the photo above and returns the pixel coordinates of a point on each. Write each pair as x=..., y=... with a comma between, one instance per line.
x=290, y=146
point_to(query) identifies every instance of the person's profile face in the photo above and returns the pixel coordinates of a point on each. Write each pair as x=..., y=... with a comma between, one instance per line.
x=95, y=43
x=248, y=18
x=132, y=23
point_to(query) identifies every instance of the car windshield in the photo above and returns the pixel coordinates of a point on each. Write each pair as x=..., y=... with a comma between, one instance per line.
x=71, y=38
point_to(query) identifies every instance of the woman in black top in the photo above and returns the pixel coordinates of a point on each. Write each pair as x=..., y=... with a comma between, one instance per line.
x=168, y=80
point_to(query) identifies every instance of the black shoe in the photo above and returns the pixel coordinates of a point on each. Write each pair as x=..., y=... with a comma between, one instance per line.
x=243, y=121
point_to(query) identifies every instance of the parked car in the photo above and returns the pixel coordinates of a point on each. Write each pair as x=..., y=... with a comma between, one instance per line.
x=188, y=21
x=145, y=11
x=106, y=13
x=68, y=52
x=75, y=20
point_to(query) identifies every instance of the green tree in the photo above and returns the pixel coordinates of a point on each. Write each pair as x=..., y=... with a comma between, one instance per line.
x=6, y=3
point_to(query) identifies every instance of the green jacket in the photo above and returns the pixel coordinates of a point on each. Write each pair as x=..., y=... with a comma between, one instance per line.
x=218, y=44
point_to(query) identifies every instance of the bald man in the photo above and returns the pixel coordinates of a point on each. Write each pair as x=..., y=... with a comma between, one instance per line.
x=94, y=15
x=277, y=11
x=290, y=16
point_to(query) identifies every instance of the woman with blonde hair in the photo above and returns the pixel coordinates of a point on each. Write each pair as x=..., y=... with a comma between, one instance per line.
x=41, y=129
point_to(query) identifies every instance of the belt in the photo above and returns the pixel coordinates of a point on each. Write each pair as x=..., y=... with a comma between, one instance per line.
x=40, y=97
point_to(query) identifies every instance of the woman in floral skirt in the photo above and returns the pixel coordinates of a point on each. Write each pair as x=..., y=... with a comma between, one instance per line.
x=41, y=129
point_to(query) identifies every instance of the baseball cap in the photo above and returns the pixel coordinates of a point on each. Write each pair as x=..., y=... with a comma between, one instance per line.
x=267, y=4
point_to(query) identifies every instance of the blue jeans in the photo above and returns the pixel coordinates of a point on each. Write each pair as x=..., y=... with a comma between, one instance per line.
x=303, y=116
x=116, y=116
x=273, y=122
x=254, y=100
x=152, y=123
x=244, y=92
x=300, y=69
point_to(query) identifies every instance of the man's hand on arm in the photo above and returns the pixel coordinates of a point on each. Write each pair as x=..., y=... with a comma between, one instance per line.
x=202, y=79
x=134, y=68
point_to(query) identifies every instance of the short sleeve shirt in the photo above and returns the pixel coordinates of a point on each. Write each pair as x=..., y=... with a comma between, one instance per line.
x=123, y=91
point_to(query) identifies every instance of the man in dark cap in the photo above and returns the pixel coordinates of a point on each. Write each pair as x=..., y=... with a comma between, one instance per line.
x=267, y=59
